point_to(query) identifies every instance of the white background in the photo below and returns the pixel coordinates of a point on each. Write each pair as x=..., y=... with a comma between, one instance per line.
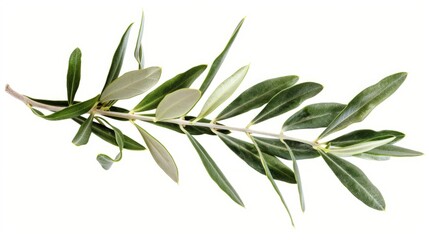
x=51, y=189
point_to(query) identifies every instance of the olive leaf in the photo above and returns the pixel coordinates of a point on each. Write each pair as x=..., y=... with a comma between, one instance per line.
x=248, y=152
x=84, y=132
x=256, y=96
x=361, y=105
x=138, y=52
x=365, y=135
x=106, y=161
x=73, y=75
x=118, y=58
x=313, y=116
x=355, y=181
x=393, y=151
x=359, y=147
x=192, y=129
x=182, y=80
x=160, y=154
x=275, y=147
x=287, y=100
x=218, y=61
x=214, y=171
x=223, y=92
x=131, y=84
x=108, y=135
x=177, y=103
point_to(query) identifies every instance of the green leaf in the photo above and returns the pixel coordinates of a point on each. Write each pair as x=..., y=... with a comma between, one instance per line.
x=118, y=58
x=361, y=105
x=138, y=52
x=359, y=147
x=223, y=92
x=74, y=110
x=275, y=147
x=160, y=154
x=287, y=100
x=313, y=116
x=73, y=75
x=218, y=61
x=183, y=80
x=355, y=181
x=214, y=171
x=131, y=84
x=177, y=103
x=84, y=132
x=270, y=177
x=393, y=151
x=106, y=161
x=256, y=96
x=369, y=156
x=108, y=135
x=192, y=129
x=364, y=135
x=248, y=152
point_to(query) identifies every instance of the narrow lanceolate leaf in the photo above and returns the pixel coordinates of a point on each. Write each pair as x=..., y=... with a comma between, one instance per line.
x=256, y=96
x=182, y=80
x=192, y=129
x=369, y=156
x=214, y=171
x=118, y=58
x=393, y=151
x=160, y=154
x=177, y=104
x=248, y=152
x=73, y=75
x=218, y=61
x=74, y=110
x=106, y=161
x=138, y=52
x=270, y=177
x=275, y=147
x=359, y=147
x=287, y=100
x=84, y=132
x=108, y=135
x=365, y=135
x=131, y=84
x=316, y=115
x=223, y=92
x=355, y=181
x=361, y=105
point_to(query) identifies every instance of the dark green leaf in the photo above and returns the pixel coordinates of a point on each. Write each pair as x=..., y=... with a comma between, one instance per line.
x=214, y=171
x=365, y=135
x=393, y=151
x=355, y=181
x=106, y=161
x=84, y=132
x=247, y=152
x=118, y=58
x=275, y=147
x=108, y=135
x=313, y=116
x=131, y=84
x=218, y=61
x=160, y=154
x=73, y=75
x=287, y=100
x=183, y=80
x=74, y=110
x=361, y=105
x=256, y=96
x=138, y=52
x=193, y=130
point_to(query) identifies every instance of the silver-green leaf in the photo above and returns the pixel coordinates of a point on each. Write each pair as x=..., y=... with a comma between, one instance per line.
x=131, y=84
x=106, y=161
x=256, y=96
x=361, y=105
x=355, y=181
x=223, y=92
x=84, y=132
x=177, y=104
x=138, y=52
x=214, y=171
x=393, y=151
x=359, y=147
x=287, y=100
x=73, y=74
x=160, y=154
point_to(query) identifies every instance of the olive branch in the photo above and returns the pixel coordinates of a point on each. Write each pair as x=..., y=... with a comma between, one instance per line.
x=169, y=104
